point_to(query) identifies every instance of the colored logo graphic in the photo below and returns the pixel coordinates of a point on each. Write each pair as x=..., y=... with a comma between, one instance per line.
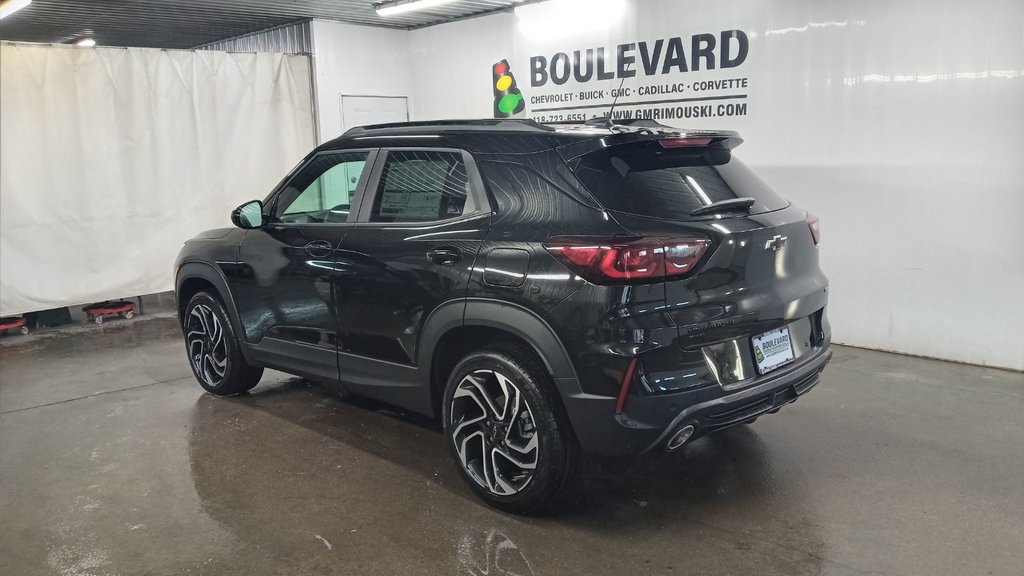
x=508, y=100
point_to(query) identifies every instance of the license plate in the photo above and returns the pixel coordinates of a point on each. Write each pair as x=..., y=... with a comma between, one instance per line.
x=772, y=350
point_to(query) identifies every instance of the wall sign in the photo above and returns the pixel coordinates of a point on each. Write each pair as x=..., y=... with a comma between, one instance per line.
x=657, y=79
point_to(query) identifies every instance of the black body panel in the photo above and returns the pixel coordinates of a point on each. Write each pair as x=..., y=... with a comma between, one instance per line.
x=390, y=281
x=284, y=285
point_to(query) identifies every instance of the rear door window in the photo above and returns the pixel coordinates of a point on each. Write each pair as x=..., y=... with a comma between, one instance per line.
x=422, y=186
x=648, y=180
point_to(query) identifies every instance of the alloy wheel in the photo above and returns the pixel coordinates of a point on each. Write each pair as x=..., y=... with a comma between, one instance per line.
x=206, y=346
x=494, y=432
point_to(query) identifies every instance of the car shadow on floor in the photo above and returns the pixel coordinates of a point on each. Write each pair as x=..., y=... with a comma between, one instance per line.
x=728, y=468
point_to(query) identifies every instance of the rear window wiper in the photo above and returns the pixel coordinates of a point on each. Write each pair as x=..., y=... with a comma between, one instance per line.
x=730, y=205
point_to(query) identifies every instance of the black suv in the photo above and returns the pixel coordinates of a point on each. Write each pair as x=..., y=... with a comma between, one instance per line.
x=544, y=290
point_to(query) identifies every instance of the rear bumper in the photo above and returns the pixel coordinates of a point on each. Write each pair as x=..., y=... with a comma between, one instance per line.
x=749, y=403
x=648, y=421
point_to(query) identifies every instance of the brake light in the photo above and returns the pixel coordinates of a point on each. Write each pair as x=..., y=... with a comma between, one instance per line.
x=815, y=226
x=683, y=142
x=612, y=261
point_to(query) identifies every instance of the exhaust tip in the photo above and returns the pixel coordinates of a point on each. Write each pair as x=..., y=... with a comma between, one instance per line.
x=679, y=438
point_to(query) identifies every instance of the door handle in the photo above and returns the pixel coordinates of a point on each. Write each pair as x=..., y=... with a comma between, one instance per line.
x=444, y=256
x=319, y=248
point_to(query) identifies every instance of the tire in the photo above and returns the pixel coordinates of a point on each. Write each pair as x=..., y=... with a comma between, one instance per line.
x=518, y=462
x=128, y=315
x=212, y=348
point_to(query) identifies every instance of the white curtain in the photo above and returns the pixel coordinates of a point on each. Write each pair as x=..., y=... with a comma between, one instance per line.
x=111, y=158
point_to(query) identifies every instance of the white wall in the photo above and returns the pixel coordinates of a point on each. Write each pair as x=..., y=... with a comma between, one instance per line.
x=901, y=124
x=451, y=65
x=357, y=61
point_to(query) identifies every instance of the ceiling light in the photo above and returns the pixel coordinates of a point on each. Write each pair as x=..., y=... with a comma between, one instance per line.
x=12, y=6
x=86, y=43
x=397, y=7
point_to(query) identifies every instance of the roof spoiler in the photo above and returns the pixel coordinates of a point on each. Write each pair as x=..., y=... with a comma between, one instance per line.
x=624, y=131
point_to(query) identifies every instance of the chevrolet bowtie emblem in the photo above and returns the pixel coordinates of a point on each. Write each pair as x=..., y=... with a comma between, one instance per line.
x=775, y=242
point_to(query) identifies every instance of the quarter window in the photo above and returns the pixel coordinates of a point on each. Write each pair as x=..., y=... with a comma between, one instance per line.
x=421, y=186
x=323, y=190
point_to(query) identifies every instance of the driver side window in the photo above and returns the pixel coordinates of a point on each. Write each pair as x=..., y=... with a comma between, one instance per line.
x=323, y=190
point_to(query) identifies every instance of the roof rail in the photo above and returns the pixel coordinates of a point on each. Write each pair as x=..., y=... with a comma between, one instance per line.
x=509, y=124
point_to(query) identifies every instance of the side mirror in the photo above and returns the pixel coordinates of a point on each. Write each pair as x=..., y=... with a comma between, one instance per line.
x=248, y=215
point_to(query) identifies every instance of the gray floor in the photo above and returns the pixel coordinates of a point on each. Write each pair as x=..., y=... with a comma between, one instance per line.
x=112, y=461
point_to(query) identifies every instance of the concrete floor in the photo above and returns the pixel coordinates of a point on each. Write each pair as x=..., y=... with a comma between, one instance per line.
x=113, y=461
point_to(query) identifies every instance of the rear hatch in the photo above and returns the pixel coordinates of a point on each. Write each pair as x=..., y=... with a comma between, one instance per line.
x=754, y=301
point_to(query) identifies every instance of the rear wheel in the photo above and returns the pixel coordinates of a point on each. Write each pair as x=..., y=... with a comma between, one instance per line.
x=213, y=350
x=506, y=429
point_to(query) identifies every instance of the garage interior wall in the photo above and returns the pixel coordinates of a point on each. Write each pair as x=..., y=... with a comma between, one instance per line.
x=904, y=139
x=357, y=61
x=113, y=157
x=900, y=124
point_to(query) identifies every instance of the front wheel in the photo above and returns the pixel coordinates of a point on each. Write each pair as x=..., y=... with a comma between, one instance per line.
x=507, y=430
x=213, y=350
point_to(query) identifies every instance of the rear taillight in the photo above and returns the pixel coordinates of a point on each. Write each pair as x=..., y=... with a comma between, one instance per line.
x=614, y=261
x=815, y=226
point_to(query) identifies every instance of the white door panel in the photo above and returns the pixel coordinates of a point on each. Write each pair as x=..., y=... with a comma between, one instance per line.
x=365, y=110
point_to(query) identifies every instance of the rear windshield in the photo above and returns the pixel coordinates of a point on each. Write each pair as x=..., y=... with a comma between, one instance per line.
x=648, y=180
